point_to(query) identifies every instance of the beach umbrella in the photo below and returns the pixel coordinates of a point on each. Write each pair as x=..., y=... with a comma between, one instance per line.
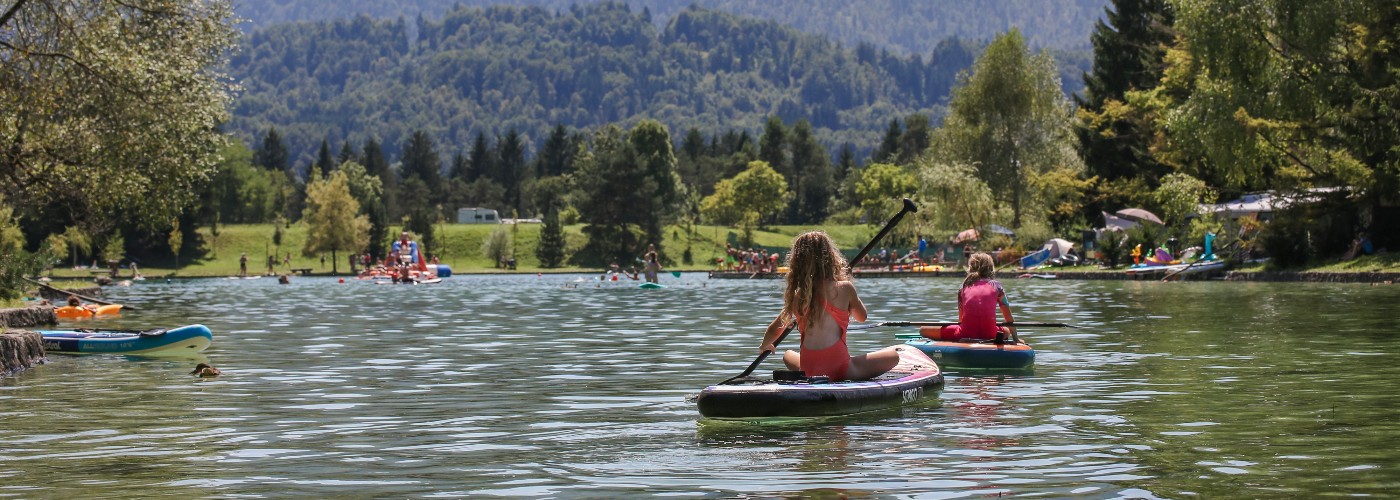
x=1139, y=215
x=1114, y=223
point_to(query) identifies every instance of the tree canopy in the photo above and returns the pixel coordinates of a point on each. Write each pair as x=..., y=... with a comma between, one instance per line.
x=111, y=107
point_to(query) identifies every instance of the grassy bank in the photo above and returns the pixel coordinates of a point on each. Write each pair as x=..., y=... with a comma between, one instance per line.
x=459, y=246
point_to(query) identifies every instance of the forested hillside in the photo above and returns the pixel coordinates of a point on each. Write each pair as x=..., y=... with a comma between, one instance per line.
x=527, y=68
x=906, y=26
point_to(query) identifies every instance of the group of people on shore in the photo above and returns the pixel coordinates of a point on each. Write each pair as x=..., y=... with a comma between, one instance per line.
x=820, y=301
x=750, y=260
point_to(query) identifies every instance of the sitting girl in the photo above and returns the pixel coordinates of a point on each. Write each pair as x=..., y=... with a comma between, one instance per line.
x=822, y=300
x=978, y=300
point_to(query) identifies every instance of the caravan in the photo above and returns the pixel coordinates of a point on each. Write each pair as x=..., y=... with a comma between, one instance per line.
x=476, y=215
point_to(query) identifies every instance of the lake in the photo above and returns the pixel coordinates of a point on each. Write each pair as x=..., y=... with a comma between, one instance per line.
x=561, y=386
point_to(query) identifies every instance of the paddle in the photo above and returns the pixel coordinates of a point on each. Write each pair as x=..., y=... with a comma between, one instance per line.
x=908, y=207
x=1016, y=324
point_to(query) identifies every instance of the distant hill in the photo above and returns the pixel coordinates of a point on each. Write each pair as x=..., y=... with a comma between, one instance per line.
x=904, y=26
x=527, y=68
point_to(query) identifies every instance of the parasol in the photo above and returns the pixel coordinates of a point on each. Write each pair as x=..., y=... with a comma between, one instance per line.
x=1139, y=215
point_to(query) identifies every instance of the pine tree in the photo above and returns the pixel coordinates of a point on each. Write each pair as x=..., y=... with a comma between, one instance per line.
x=372, y=157
x=324, y=162
x=811, y=176
x=1128, y=55
x=550, y=250
x=421, y=160
x=889, y=146
x=482, y=160
x=772, y=147
x=557, y=154
x=347, y=153
x=273, y=153
x=510, y=166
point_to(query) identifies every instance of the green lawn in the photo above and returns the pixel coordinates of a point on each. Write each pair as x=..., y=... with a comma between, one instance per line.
x=459, y=247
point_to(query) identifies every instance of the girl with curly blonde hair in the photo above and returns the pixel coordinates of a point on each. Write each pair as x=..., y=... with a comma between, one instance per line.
x=821, y=299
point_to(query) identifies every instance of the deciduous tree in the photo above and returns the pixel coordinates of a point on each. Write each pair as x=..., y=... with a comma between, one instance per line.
x=332, y=218
x=111, y=108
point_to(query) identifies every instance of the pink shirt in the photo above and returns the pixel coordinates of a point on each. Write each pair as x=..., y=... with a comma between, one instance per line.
x=978, y=305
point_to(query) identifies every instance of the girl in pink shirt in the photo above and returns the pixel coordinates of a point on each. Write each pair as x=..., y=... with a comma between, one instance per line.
x=978, y=300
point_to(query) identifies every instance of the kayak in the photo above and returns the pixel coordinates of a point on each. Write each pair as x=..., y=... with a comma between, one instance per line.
x=182, y=340
x=649, y=286
x=755, y=398
x=976, y=355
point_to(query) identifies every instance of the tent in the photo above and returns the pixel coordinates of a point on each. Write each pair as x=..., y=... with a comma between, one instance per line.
x=1055, y=248
x=1058, y=247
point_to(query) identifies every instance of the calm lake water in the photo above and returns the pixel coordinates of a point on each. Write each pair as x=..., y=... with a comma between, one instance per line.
x=542, y=386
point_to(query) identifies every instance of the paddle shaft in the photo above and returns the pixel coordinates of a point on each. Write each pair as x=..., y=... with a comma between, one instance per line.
x=908, y=207
x=1016, y=324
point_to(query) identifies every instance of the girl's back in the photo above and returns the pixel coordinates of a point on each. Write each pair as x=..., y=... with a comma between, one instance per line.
x=978, y=311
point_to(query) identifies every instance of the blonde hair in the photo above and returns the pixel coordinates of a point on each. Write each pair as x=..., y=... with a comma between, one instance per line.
x=812, y=260
x=979, y=267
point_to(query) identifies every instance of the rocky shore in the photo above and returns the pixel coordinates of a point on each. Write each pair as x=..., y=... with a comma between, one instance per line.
x=27, y=317
x=20, y=350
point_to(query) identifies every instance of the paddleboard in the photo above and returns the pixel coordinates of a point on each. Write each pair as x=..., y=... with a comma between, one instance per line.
x=763, y=398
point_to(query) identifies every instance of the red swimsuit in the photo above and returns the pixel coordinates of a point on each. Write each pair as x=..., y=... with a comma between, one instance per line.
x=833, y=361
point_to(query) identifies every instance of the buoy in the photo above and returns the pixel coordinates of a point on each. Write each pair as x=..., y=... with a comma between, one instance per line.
x=342, y=280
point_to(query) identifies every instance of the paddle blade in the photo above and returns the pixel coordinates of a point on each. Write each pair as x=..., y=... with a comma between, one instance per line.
x=676, y=273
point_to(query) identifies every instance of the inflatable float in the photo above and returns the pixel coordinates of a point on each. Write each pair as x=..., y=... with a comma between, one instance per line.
x=764, y=398
x=183, y=340
x=88, y=311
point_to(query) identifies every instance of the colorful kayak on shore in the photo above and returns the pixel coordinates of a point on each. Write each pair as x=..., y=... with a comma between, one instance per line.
x=756, y=398
x=158, y=342
x=976, y=355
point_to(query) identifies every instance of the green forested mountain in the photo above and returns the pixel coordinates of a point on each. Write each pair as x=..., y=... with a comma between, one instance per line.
x=527, y=68
x=905, y=26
